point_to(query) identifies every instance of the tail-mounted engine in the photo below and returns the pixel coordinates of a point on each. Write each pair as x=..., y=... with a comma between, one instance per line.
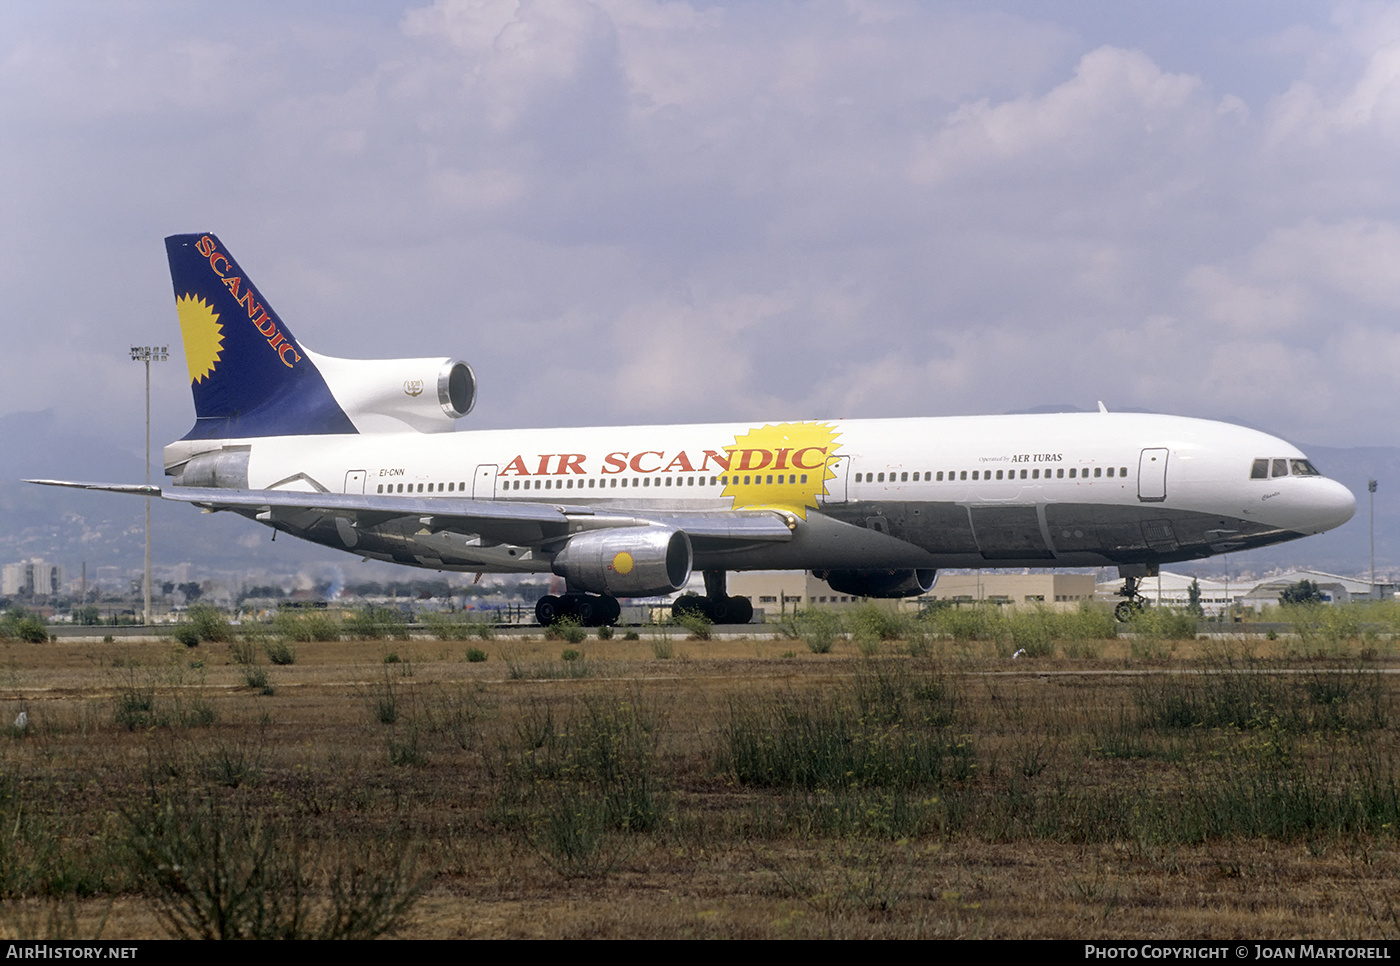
x=879, y=583
x=391, y=395
x=626, y=561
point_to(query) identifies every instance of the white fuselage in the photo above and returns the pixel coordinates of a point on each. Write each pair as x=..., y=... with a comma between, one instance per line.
x=1083, y=489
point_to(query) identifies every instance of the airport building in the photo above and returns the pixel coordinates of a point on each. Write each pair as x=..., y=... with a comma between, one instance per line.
x=31, y=578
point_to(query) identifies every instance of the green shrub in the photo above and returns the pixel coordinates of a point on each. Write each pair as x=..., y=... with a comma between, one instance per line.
x=698, y=625
x=566, y=629
x=818, y=628
x=307, y=626
x=209, y=624
x=373, y=623
x=1163, y=624
x=279, y=652
x=23, y=625
x=217, y=871
x=475, y=655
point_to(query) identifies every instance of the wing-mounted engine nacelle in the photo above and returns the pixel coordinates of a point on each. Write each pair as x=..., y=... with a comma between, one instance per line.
x=391, y=395
x=626, y=561
x=879, y=583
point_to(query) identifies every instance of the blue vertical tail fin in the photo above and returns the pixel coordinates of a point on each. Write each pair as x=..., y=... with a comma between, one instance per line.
x=249, y=375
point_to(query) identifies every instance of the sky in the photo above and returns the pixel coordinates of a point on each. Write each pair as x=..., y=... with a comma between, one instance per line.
x=628, y=211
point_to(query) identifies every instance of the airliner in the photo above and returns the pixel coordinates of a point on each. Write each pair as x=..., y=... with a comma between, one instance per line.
x=362, y=456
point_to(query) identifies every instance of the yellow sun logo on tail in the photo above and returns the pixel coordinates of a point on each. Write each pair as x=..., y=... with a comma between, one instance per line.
x=783, y=465
x=203, y=335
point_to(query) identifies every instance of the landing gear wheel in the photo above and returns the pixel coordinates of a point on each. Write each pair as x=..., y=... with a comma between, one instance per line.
x=740, y=610
x=687, y=605
x=609, y=610
x=721, y=610
x=1126, y=609
x=585, y=610
x=548, y=610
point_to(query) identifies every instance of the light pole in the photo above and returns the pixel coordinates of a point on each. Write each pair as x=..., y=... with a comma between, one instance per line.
x=1371, y=487
x=148, y=354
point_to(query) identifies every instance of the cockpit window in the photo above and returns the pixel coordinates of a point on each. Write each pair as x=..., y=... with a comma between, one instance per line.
x=1303, y=468
x=1260, y=470
x=1280, y=467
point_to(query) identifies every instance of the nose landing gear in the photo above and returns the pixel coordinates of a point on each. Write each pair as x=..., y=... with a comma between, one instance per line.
x=1132, y=602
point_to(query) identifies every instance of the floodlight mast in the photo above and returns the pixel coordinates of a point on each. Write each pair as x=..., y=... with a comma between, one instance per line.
x=148, y=354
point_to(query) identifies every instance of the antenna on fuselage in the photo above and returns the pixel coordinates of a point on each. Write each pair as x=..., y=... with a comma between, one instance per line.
x=1102, y=407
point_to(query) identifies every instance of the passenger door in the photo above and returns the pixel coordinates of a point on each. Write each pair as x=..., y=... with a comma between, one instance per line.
x=1152, y=476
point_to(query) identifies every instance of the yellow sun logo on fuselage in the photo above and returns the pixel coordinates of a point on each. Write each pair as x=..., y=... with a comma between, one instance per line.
x=782, y=466
x=202, y=333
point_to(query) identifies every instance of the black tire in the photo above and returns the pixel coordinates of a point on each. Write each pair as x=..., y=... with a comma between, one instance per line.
x=611, y=609
x=1126, y=609
x=740, y=610
x=547, y=610
x=685, y=605
x=586, y=610
x=720, y=610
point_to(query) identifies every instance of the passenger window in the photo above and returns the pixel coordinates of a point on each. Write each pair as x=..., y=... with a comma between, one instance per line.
x=1280, y=467
x=962, y=474
x=1098, y=471
x=804, y=477
x=381, y=488
x=999, y=474
x=1035, y=474
x=1059, y=474
x=1110, y=471
x=904, y=477
x=940, y=476
x=1072, y=471
x=1122, y=471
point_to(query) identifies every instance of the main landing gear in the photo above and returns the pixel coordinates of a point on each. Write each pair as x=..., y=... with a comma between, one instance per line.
x=716, y=606
x=590, y=610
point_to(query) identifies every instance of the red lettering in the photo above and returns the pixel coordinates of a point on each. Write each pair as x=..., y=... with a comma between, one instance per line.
x=282, y=351
x=720, y=461
x=753, y=459
x=271, y=326
x=232, y=285
x=781, y=464
x=615, y=462
x=218, y=257
x=205, y=246
x=544, y=465
x=569, y=463
x=636, y=462
x=276, y=340
x=248, y=302
x=681, y=463
x=516, y=467
x=797, y=458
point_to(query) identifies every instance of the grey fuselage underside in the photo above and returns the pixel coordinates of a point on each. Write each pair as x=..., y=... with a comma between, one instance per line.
x=856, y=535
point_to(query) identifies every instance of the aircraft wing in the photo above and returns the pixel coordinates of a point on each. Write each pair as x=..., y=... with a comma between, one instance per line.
x=517, y=523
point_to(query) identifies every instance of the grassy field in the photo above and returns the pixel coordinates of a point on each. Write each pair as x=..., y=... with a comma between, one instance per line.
x=669, y=786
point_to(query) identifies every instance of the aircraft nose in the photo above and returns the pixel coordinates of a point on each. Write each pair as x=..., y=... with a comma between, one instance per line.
x=1330, y=506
